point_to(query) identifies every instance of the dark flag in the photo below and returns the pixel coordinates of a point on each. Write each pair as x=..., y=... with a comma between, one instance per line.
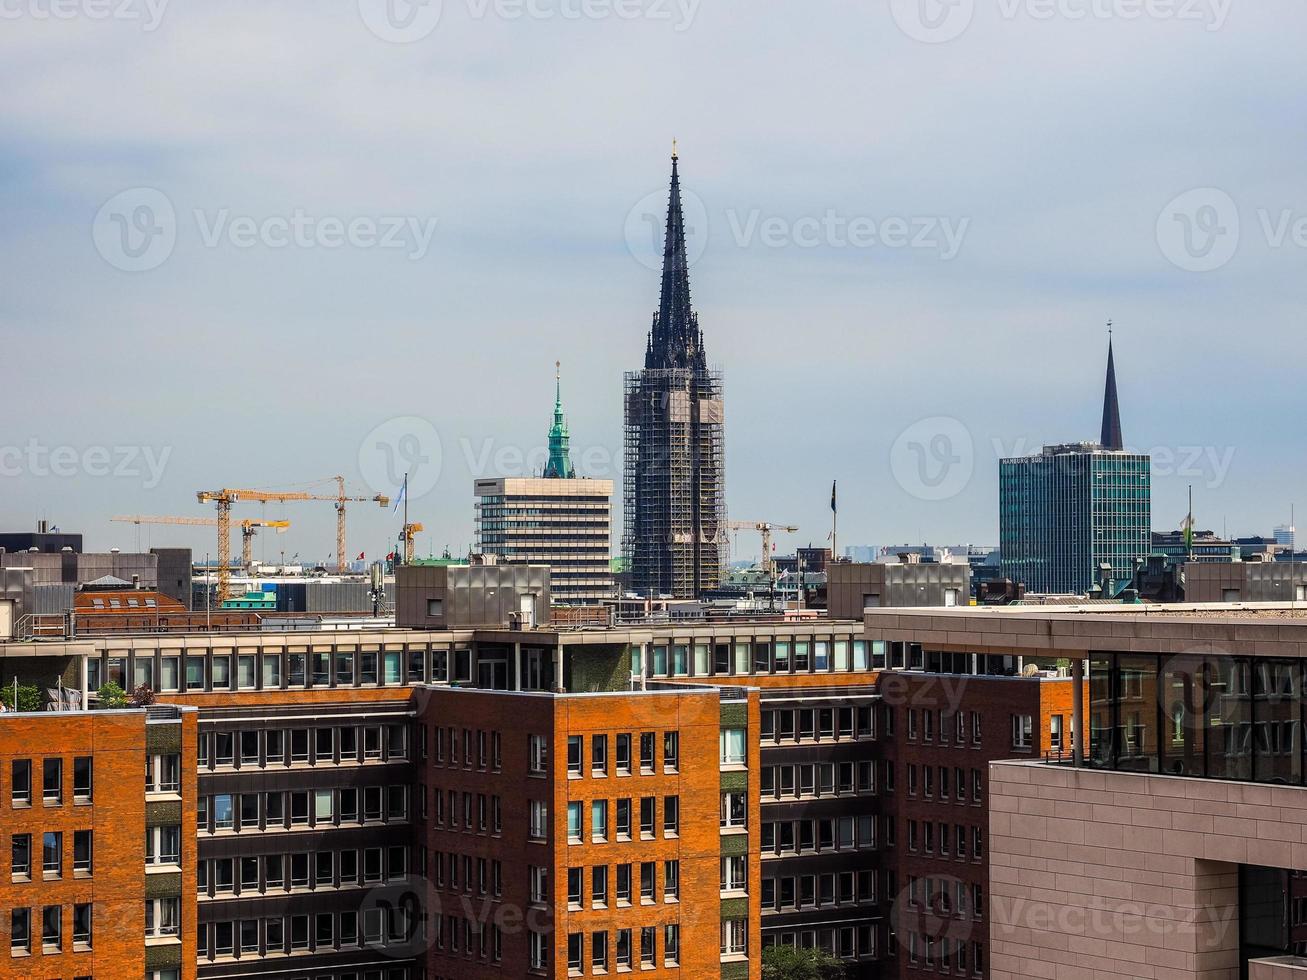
x=832, y=496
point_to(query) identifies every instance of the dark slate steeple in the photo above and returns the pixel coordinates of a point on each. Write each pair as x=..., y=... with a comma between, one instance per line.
x=675, y=340
x=1111, y=437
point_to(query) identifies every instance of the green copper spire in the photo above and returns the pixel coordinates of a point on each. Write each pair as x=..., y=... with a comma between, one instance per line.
x=560, y=463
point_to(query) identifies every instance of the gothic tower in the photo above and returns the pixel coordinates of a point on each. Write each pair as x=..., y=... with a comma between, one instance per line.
x=674, y=488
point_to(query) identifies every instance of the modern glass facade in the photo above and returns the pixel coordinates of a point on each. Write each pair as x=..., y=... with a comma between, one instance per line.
x=1070, y=509
x=1211, y=716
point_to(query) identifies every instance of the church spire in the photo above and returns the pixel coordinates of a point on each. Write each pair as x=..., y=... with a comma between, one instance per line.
x=560, y=462
x=675, y=340
x=1111, y=436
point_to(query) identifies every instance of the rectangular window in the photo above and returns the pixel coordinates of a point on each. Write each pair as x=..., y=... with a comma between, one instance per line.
x=1023, y=727
x=671, y=943
x=671, y=815
x=671, y=750
x=647, y=817
x=221, y=665
x=20, y=930
x=82, y=847
x=82, y=779
x=734, y=875
x=52, y=928
x=624, y=755
x=735, y=937
x=599, y=755
x=52, y=781
x=537, y=754
x=82, y=926
x=21, y=782
x=599, y=820
x=52, y=854
x=574, y=822
x=732, y=745
x=223, y=817
x=162, y=917
x=734, y=809
x=539, y=881
x=539, y=820
x=623, y=819
x=646, y=752
x=20, y=858
x=274, y=745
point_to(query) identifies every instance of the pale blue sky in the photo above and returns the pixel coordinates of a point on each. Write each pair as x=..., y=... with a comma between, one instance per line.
x=1053, y=148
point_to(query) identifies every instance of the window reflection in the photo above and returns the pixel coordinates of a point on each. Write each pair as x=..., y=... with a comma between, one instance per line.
x=1219, y=716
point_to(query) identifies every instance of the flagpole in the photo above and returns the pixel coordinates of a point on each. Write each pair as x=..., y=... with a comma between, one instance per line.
x=1189, y=532
x=834, y=519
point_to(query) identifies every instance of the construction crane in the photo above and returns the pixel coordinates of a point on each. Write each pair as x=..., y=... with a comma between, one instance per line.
x=766, y=528
x=410, y=532
x=248, y=529
x=226, y=497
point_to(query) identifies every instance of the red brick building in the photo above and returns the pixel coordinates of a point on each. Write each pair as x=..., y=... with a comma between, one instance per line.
x=97, y=809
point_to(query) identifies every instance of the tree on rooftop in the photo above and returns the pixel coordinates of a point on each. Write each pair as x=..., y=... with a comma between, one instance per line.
x=788, y=963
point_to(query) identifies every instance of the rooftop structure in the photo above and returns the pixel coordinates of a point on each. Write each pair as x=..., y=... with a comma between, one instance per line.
x=1174, y=827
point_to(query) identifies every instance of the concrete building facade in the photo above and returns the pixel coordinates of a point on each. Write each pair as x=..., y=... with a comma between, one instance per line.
x=565, y=523
x=1172, y=848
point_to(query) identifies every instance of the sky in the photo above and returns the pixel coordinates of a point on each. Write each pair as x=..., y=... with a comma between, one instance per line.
x=260, y=245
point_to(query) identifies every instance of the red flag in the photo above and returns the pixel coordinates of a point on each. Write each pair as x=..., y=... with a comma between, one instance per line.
x=360, y=557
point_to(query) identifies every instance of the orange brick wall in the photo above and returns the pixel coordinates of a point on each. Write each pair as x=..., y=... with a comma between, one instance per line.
x=116, y=815
x=697, y=717
x=1055, y=698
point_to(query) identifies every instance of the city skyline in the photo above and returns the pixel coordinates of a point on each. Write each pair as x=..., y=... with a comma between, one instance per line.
x=321, y=346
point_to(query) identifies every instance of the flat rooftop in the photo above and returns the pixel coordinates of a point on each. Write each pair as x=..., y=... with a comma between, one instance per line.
x=1210, y=629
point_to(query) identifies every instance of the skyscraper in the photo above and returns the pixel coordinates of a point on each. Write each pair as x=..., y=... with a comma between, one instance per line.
x=1067, y=512
x=674, y=488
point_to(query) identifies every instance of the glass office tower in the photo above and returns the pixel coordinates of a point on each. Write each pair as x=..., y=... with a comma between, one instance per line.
x=1071, y=509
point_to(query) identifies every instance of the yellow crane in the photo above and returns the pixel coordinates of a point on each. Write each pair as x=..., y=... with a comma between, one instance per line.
x=410, y=532
x=248, y=529
x=766, y=528
x=226, y=497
